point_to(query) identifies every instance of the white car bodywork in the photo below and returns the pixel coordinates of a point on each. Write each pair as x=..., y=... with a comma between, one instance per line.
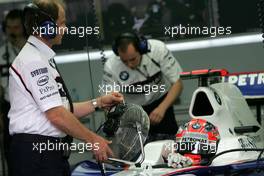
x=230, y=110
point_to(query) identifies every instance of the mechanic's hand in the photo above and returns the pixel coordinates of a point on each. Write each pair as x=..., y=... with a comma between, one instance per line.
x=178, y=161
x=101, y=149
x=109, y=100
x=157, y=115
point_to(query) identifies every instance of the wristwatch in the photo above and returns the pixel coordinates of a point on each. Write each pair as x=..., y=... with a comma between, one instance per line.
x=94, y=103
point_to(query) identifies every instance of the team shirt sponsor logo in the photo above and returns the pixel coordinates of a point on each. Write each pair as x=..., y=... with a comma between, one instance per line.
x=124, y=75
x=49, y=95
x=107, y=74
x=43, y=80
x=46, y=89
x=39, y=71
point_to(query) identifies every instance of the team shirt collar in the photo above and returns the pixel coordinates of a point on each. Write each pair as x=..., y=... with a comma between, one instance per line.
x=45, y=50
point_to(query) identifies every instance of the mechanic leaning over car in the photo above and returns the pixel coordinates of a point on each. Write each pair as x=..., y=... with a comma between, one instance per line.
x=147, y=73
x=41, y=108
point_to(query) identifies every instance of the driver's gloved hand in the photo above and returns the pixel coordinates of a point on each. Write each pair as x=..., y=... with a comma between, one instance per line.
x=176, y=160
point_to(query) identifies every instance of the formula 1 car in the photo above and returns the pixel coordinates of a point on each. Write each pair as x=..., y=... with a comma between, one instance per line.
x=240, y=147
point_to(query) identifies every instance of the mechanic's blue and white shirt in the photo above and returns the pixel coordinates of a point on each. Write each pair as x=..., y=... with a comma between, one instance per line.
x=157, y=71
x=35, y=86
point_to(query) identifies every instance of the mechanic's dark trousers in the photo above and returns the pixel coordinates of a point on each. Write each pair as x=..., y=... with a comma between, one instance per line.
x=27, y=160
x=5, y=106
x=167, y=128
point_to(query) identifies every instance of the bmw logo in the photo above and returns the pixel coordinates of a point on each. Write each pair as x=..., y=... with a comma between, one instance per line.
x=124, y=75
x=196, y=126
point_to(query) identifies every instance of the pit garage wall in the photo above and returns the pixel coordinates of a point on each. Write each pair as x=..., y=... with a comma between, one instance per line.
x=238, y=58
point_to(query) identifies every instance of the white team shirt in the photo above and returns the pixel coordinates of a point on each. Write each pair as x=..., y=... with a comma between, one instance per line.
x=157, y=71
x=34, y=87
